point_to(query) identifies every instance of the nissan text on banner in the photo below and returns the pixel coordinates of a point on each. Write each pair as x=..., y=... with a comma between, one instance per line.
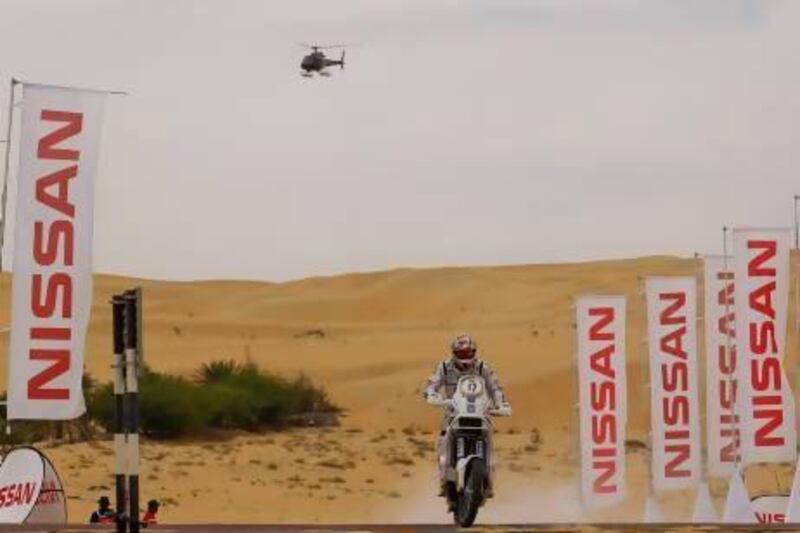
x=52, y=283
x=600, y=324
x=765, y=403
x=722, y=423
x=674, y=397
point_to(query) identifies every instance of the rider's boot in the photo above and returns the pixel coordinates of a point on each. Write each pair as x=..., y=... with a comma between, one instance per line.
x=442, y=448
x=489, y=492
x=442, y=482
x=450, y=492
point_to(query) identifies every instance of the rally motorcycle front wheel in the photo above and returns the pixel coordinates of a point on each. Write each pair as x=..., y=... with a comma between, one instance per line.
x=471, y=496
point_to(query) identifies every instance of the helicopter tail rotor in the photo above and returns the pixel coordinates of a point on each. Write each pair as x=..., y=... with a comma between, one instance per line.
x=341, y=65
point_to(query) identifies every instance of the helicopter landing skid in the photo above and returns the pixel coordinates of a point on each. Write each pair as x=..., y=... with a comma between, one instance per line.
x=324, y=73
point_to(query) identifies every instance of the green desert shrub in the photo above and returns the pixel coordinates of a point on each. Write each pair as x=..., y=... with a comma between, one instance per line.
x=245, y=396
x=230, y=407
x=217, y=371
x=170, y=406
x=223, y=395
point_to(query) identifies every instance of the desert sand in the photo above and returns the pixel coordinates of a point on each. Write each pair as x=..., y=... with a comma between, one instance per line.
x=381, y=335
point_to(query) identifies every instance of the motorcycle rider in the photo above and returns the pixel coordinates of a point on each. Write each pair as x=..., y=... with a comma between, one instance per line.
x=463, y=361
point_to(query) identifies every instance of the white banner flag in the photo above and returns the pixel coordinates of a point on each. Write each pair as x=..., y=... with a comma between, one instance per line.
x=600, y=323
x=674, y=404
x=765, y=403
x=52, y=283
x=722, y=424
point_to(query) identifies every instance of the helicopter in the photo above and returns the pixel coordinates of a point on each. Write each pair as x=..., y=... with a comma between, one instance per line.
x=317, y=62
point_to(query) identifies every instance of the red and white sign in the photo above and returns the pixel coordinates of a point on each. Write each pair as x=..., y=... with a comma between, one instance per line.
x=52, y=283
x=30, y=490
x=765, y=405
x=20, y=483
x=51, y=505
x=722, y=424
x=771, y=508
x=600, y=323
x=674, y=405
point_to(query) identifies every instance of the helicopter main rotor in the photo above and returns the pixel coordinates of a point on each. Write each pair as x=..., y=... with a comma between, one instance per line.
x=322, y=47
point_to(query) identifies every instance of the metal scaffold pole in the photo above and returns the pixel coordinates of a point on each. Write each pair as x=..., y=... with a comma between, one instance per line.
x=127, y=343
x=120, y=463
x=132, y=396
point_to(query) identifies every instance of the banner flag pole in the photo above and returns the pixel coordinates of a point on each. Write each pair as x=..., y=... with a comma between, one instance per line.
x=3, y=200
x=702, y=362
x=736, y=484
x=796, y=322
x=642, y=349
x=730, y=324
x=652, y=511
x=575, y=419
x=703, y=510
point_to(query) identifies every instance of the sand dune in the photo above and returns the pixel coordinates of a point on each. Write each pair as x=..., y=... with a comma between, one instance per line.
x=371, y=340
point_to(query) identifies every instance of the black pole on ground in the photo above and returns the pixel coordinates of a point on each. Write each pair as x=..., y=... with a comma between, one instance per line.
x=118, y=316
x=132, y=395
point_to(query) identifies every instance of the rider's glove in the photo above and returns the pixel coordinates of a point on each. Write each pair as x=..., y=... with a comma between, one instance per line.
x=433, y=398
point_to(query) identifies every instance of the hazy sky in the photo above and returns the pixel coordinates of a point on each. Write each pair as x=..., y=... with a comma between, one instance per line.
x=460, y=132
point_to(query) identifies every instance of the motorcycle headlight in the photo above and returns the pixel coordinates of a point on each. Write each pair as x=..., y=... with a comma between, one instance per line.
x=471, y=387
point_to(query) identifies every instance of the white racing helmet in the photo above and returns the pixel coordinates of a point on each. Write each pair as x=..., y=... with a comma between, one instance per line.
x=464, y=350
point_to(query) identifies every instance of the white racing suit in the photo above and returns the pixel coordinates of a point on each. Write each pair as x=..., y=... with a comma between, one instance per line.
x=445, y=377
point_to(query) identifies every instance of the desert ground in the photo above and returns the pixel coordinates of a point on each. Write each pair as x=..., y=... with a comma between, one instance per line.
x=371, y=340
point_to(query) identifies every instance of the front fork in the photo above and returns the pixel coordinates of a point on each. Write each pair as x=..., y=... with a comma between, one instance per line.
x=447, y=468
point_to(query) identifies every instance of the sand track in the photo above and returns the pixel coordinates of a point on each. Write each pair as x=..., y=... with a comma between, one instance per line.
x=371, y=340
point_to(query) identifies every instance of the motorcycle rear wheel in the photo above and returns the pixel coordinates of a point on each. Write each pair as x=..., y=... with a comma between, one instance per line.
x=471, y=496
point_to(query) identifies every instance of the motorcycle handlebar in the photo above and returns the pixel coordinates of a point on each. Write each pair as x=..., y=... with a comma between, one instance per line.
x=439, y=401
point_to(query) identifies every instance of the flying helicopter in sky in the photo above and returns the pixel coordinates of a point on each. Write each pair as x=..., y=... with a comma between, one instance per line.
x=317, y=62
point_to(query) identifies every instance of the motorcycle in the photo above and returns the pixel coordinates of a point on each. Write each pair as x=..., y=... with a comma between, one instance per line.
x=469, y=469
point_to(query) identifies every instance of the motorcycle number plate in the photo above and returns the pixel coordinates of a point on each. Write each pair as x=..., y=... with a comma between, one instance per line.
x=471, y=387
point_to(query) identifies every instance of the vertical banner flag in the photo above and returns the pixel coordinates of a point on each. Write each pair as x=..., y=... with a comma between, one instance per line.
x=52, y=284
x=722, y=423
x=674, y=397
x=600, y=324
x=765, y=404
